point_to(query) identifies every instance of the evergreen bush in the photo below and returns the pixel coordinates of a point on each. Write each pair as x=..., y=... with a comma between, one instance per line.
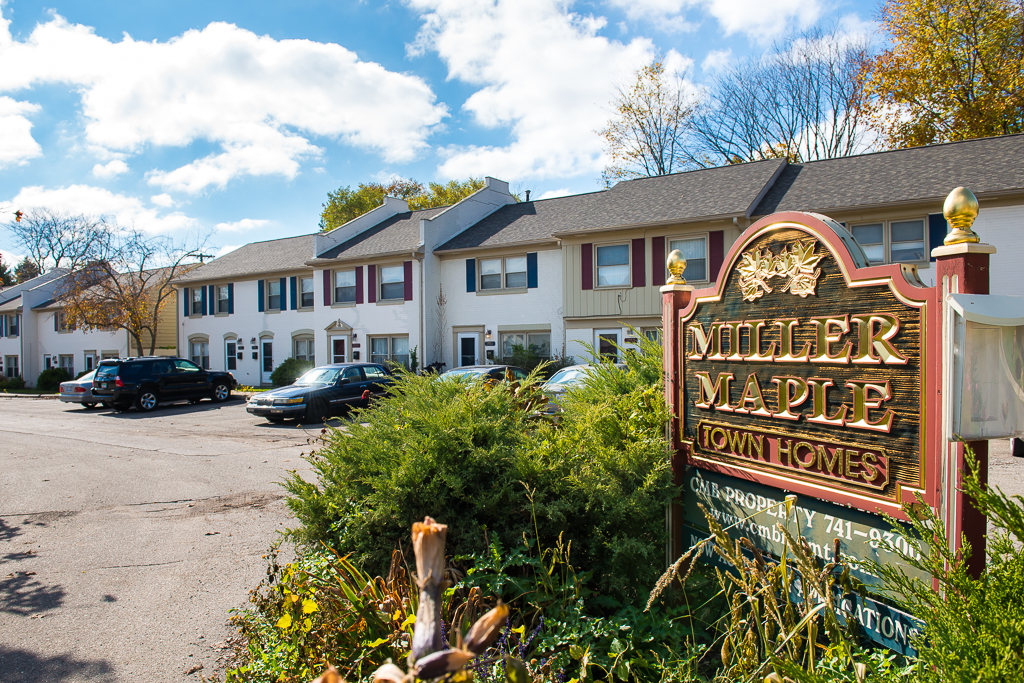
x=49, y=380
x=288, y=371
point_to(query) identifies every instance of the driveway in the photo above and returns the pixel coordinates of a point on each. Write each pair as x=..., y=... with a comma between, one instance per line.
x=126, y=539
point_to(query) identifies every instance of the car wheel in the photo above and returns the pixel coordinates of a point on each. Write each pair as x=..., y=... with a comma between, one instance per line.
x=122, y=407
x=221, y=392
x=147, y=400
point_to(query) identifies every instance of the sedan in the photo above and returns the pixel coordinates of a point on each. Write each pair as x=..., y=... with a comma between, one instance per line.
x=487, y=372
x=565, y=379
x=80, y=391
x=322, y=392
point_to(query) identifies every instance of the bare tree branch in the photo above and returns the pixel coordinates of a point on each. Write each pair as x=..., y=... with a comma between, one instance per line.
x=53, y=239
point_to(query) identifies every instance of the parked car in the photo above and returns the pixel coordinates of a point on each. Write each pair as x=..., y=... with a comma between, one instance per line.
x=147, y=382
x=563, y=380
x=80, y=391
x=486, y=372
x=326, y=391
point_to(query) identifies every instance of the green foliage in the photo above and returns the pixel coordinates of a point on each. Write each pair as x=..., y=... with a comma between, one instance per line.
x=414, y=359
x=6, y=276
x=527, y=358
x=12, y=383
x=49, y=380
x=478, y=456
x=288, y=371
x=26, y=270
x=344, y=204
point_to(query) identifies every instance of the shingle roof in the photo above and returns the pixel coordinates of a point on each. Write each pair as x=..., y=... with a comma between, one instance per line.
x=38, y=281
x=401, y=232
x=986, y=166
x=289, y=253
x=11, y=305
x=680, y=197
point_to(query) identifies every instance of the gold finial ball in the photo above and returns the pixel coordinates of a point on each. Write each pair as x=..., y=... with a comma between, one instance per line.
x=676, y=267
x=960, y=210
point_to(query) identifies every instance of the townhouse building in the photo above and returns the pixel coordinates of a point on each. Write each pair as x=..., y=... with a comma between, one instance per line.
x=464, y=284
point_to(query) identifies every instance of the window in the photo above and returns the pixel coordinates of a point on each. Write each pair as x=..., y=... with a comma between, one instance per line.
x=223, y=299
x=201, y=354
x=304, y=350
x=60, y=322
x=392, y=283
x=48, y=361
x=12, y=325
x=197, y=300
x=892, y=241
x=389, y=349
x=179, y=365
x=90, y=360
x=613, y=266
x=509, y=273
x=230, y=349
x=66, y=361
x=373, y=372
x=11, y=366
x=606, y=343
x=695, y=251
x=274, y=295
x=352, y=374
x=345, y=287
x=653, y=333
x=306, y=292
x=537, y=342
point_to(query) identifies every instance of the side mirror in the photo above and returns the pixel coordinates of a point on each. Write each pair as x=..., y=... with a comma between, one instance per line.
x=343, y=381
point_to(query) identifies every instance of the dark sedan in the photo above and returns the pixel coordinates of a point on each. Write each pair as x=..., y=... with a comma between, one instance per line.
x=322, y=392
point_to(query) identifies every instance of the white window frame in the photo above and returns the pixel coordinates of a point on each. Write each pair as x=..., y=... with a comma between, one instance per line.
x=525, y=334
x=280, y=296
x=231, y=359
x=16, y=327
x=381, y=283
x=691, y=236
x=91, y=360
x=61, y=323
x=203, y=359
x=11, y=363
x=69, y=365
x=302, y=293
x=390, y=356
x=887, y=238
x=310, y=347
x=354, y=286
x=226, y=299
x=505, y=272
x=197, y=301
x=629, y=265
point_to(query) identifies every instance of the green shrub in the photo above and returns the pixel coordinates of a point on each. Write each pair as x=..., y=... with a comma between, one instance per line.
x=528, y=359
x=288, y=371
x=49, y=380
x=14, y=383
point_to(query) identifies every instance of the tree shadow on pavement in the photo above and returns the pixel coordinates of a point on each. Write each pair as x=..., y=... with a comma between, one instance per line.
x=22, y=666
x=21, y=593
x=8, y=531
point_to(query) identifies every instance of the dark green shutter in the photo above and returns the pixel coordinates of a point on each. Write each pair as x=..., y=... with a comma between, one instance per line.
x=471, y=275
x=531, y=270
x=231, y=297
x=292, y=284
x=261, y=291
x=188, y=301
x=937, y=230
x=202, y=294
x=284, y=292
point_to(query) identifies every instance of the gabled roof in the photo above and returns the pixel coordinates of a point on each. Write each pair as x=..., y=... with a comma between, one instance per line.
x=11, y=305
x=988, y=166
x=400, y=232
x=285, y=254
x=15, y=290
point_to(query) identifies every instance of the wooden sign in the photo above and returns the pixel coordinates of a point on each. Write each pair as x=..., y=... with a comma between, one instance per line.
x=804, y=369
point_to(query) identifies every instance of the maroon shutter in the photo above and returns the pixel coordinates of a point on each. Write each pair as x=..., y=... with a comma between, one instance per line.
x=716, y=253
x=371, y=284
x=587, y=265
x=328, y=299
x=359, y=284
x=657, y=261
x=639, y=263
x=407, y=280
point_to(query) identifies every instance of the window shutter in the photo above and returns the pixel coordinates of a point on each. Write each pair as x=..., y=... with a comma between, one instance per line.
x=284, y=292
x=202, y=295
x=262, y=292
x=213, y=299
x=531, y=270
x=231, y=297
x=407, y=280
x=3, y=325
x=188, y=301
x=56, y=322
x=359, y=284
x=371, y=284
x=716, y=253
x=658, y=261
x=328, y=299
x=587, y=265
x=471, y=274
x=292, y=294
x=937, y=229
x=639, y=263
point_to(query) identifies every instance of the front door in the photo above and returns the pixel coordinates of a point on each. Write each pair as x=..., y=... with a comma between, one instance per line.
x=266, y=360
x=339, y=346
x=605, y=343
x=468, y=354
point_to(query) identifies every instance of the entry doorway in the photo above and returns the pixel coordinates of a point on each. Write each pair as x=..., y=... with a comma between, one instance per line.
x=339, y=349
x=469, y=348
x=605, y=342
x=266, y=360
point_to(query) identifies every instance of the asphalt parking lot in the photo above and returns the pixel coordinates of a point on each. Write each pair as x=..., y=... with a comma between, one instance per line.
x=126, y=538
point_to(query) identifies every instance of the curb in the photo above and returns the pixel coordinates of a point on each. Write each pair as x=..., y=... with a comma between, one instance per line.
x=50, y=397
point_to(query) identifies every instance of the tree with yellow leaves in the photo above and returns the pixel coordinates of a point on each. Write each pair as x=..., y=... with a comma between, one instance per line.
x=954, y=71
x=344, y=204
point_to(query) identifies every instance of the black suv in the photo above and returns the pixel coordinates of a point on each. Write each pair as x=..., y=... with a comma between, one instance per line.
x=145, y=382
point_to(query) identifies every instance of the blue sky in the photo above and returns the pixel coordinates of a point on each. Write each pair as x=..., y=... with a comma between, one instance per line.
x=236, y=118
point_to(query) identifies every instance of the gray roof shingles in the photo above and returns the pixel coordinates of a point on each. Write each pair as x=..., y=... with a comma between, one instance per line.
x=401, y=232
x=289, y=253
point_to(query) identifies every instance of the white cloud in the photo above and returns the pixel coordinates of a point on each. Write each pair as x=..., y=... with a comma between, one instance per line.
x=541, y=71
x=10, y=259
x=110, y=170
x=716, y=60
x=225, y=249
x=551, y=194
x=759, y=20
x=98, y=201
x=260, y=100
x=17, y=145
x=165, y=200
x=243, y=225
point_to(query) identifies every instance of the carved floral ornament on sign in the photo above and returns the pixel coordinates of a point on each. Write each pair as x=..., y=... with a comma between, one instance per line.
x=798, y=266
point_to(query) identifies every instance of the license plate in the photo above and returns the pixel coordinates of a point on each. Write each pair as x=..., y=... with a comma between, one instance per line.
x=276, y=410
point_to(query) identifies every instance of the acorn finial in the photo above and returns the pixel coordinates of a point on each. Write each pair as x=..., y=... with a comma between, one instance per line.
x=676, y=266
x=960, y=210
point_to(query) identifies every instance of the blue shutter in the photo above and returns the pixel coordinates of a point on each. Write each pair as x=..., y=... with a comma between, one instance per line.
x=937, y=229
x=284, y=292
x=188, y=301
x=202, y=293
x=293, y=295
x=231, y=297
x=531, y=270
x=213, y=299
x=471, y=275
x=262, y=294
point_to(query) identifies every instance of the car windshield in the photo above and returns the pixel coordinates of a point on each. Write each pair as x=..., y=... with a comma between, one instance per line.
x=566, y=377
x=466, y=373
x=87, y=377
x=106, y=372
x=318, y=376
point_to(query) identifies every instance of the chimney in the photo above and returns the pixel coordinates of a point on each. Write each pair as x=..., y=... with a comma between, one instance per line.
x=527, y=195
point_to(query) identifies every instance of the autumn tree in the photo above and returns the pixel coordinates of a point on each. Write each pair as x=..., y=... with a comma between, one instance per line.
x=55, y=239
x=646, y=135
x=26, y=270
x=128, y=286
x=345, y=203
x=954, y=71
x=6, y=276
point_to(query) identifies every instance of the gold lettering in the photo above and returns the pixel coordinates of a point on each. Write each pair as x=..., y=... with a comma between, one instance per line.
x=796, y=454
x=861, y=405
x=850, y=469
x=787, y=451
x=752, y=395
x=755, y=355
x=819, y=413
x=874, y=335
x=788, y=398
x=733, y=329
x=725, y=438
x=786, y=343
x=872, y=470
x=703, y=343
x=737, y=440
x=758, y=444
x=827, y=464
x=707, y=430
x=825, y=336
x=719, y=390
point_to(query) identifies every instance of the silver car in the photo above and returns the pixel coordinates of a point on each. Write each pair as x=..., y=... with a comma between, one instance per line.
x=79, y=391
x=563, y=380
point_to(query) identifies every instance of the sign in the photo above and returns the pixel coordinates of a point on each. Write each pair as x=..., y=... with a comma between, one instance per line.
x=805, y=370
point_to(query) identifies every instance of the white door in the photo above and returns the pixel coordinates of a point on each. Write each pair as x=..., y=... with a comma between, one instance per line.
x=266, y=360
x=605, y=341
x=339, y=349
x=469, y=349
